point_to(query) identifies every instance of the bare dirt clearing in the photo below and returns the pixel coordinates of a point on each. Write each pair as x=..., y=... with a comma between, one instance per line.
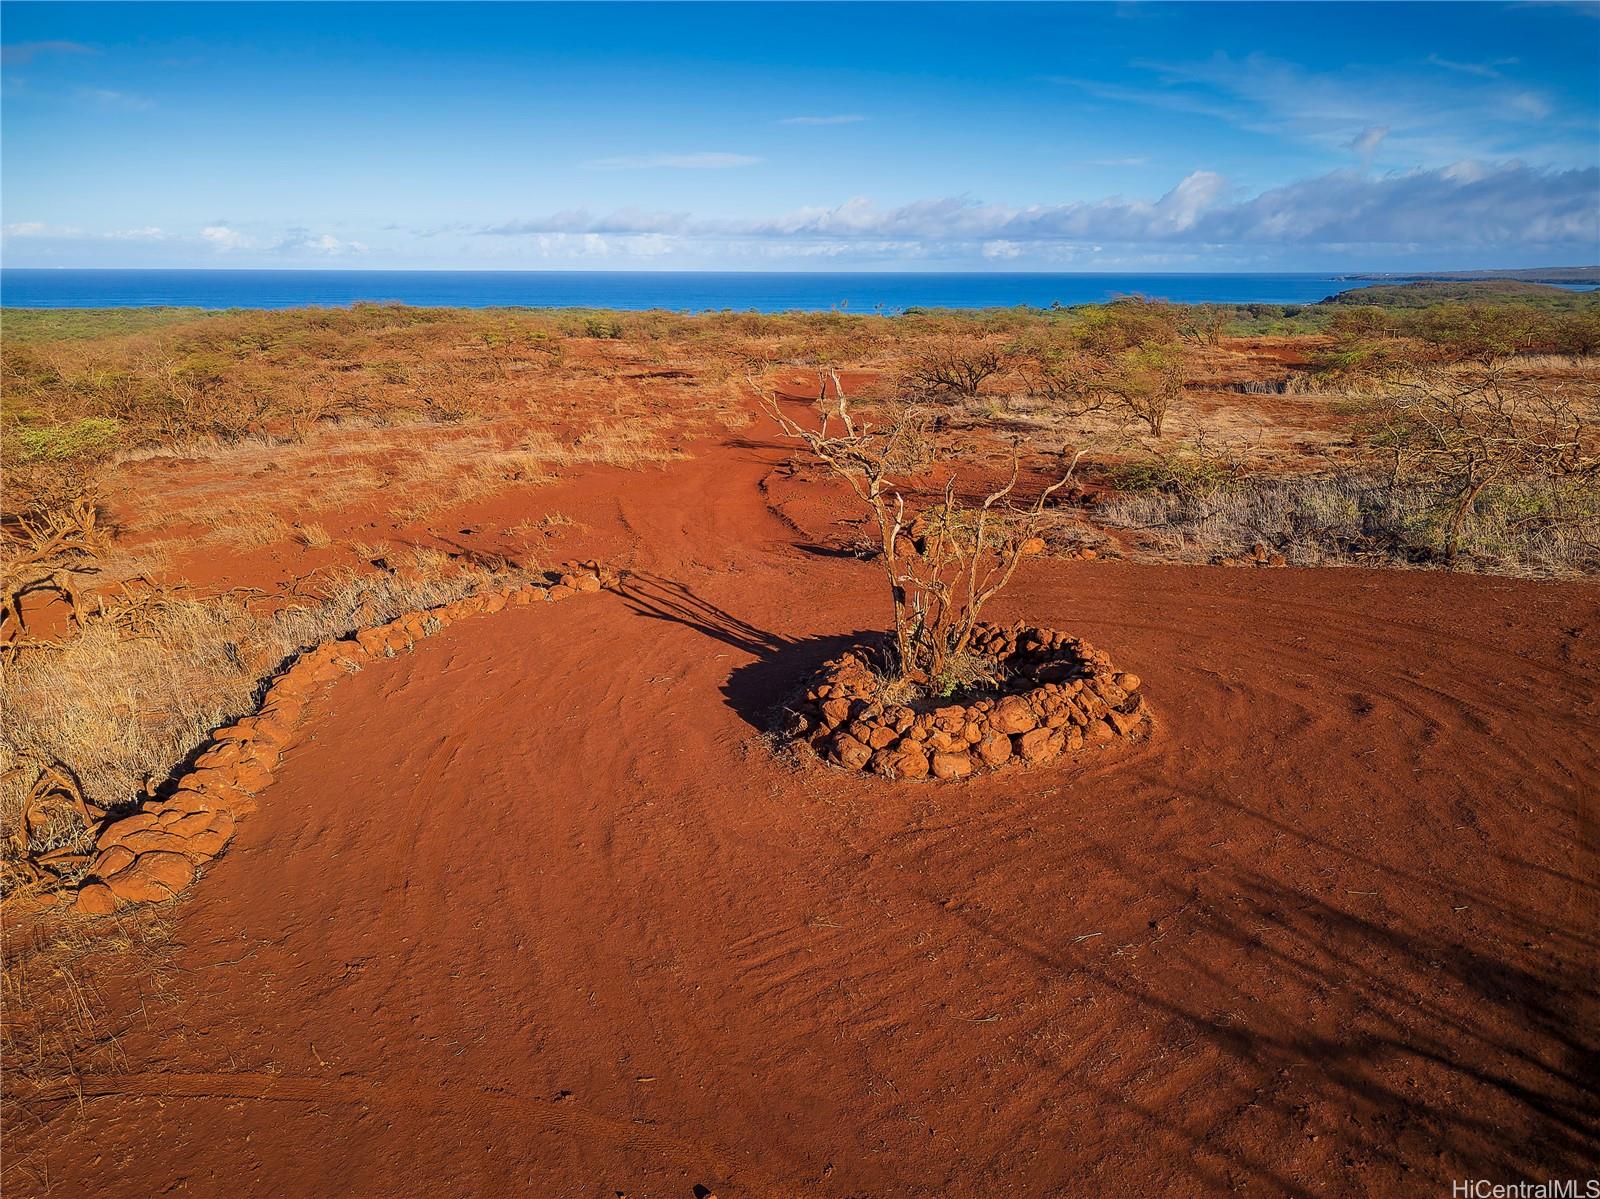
x=534, y=908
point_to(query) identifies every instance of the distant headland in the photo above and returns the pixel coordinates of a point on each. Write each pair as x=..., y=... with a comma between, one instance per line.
x=1547, y=274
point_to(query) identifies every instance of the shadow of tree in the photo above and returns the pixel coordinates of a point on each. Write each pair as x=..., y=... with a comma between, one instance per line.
x=760, y=690
x=1445, y=1037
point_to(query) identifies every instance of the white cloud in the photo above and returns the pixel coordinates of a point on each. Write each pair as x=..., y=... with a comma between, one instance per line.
x=1531, y=104
x=22, y=53
x=843, y=119
x=113, y=99
x=38, y=229
x=35, y=229
x=998, y=250
x=300, y=241
x=1467, y=204
x=223, y=238
x=704, y=160
x=1432, y=118
x=1484, y=70
x=1366, y=143
x=601, y=245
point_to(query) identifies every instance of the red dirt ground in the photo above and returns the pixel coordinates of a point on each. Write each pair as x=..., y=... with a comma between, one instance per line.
x=535, y=910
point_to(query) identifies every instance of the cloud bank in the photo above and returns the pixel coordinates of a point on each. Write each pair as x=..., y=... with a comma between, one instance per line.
x=1467, y=204
x=1468, y=214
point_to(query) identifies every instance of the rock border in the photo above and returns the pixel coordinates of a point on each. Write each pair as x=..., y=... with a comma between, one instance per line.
x=154, y=853
x=1062, y=695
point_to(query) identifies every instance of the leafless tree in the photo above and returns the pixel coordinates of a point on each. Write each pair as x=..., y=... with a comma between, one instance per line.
x=45, y=553
x=943, y=561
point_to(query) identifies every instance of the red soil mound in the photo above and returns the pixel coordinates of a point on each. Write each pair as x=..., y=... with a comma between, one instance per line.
x=534, y=910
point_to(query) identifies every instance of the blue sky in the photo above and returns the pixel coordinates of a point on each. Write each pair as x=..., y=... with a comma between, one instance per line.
x=1183, y=137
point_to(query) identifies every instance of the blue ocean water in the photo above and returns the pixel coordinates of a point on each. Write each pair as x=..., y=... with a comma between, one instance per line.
x=637, y=290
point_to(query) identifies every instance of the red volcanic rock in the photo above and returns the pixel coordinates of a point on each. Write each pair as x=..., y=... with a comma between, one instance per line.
x=835, y=712
x=250, y=777
x=374, y=641
x=911, y=762
x=994, y=749
x=1013, y=714
x=116, y=832
x=1038, y=746
x=881, y=736
x=95, y=899
x=152, y=877
x=223, y=754
x=209, y=842
x=1125, y=722
x=850, y=752
x=951, y=766
x=186, y=824
x=274, y=728
x=111, y=860
x=154, y=840
x=1062, y=693
x=903, y=761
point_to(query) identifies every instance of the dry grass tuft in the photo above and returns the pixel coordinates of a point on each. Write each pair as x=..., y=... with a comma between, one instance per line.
x=1352, y=517
x=118, y=707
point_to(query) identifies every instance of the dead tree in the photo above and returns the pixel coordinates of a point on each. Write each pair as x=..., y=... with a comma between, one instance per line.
x=46, y=554
x=943, y=562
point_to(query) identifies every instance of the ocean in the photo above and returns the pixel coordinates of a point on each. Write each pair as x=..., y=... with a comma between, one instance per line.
x=635, y=290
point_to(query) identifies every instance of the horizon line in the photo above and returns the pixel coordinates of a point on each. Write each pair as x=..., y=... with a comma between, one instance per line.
x=399, y=270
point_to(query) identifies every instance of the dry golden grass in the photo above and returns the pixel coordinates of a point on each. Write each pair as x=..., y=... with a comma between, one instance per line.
x=119, y=708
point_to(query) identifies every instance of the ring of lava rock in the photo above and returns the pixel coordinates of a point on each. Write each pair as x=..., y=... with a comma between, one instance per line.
x=1058, y=695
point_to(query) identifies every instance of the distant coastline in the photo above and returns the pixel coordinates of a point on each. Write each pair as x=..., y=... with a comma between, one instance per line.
x=1550, y=274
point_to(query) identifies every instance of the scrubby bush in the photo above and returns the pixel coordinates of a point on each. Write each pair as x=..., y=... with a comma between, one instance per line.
x=949, y=367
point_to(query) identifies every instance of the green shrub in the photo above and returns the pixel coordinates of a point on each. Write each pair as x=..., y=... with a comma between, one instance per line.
x=91, y=437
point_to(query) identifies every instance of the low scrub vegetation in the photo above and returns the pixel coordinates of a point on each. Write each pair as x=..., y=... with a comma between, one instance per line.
x=1455, y=434
x=1464, y=464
